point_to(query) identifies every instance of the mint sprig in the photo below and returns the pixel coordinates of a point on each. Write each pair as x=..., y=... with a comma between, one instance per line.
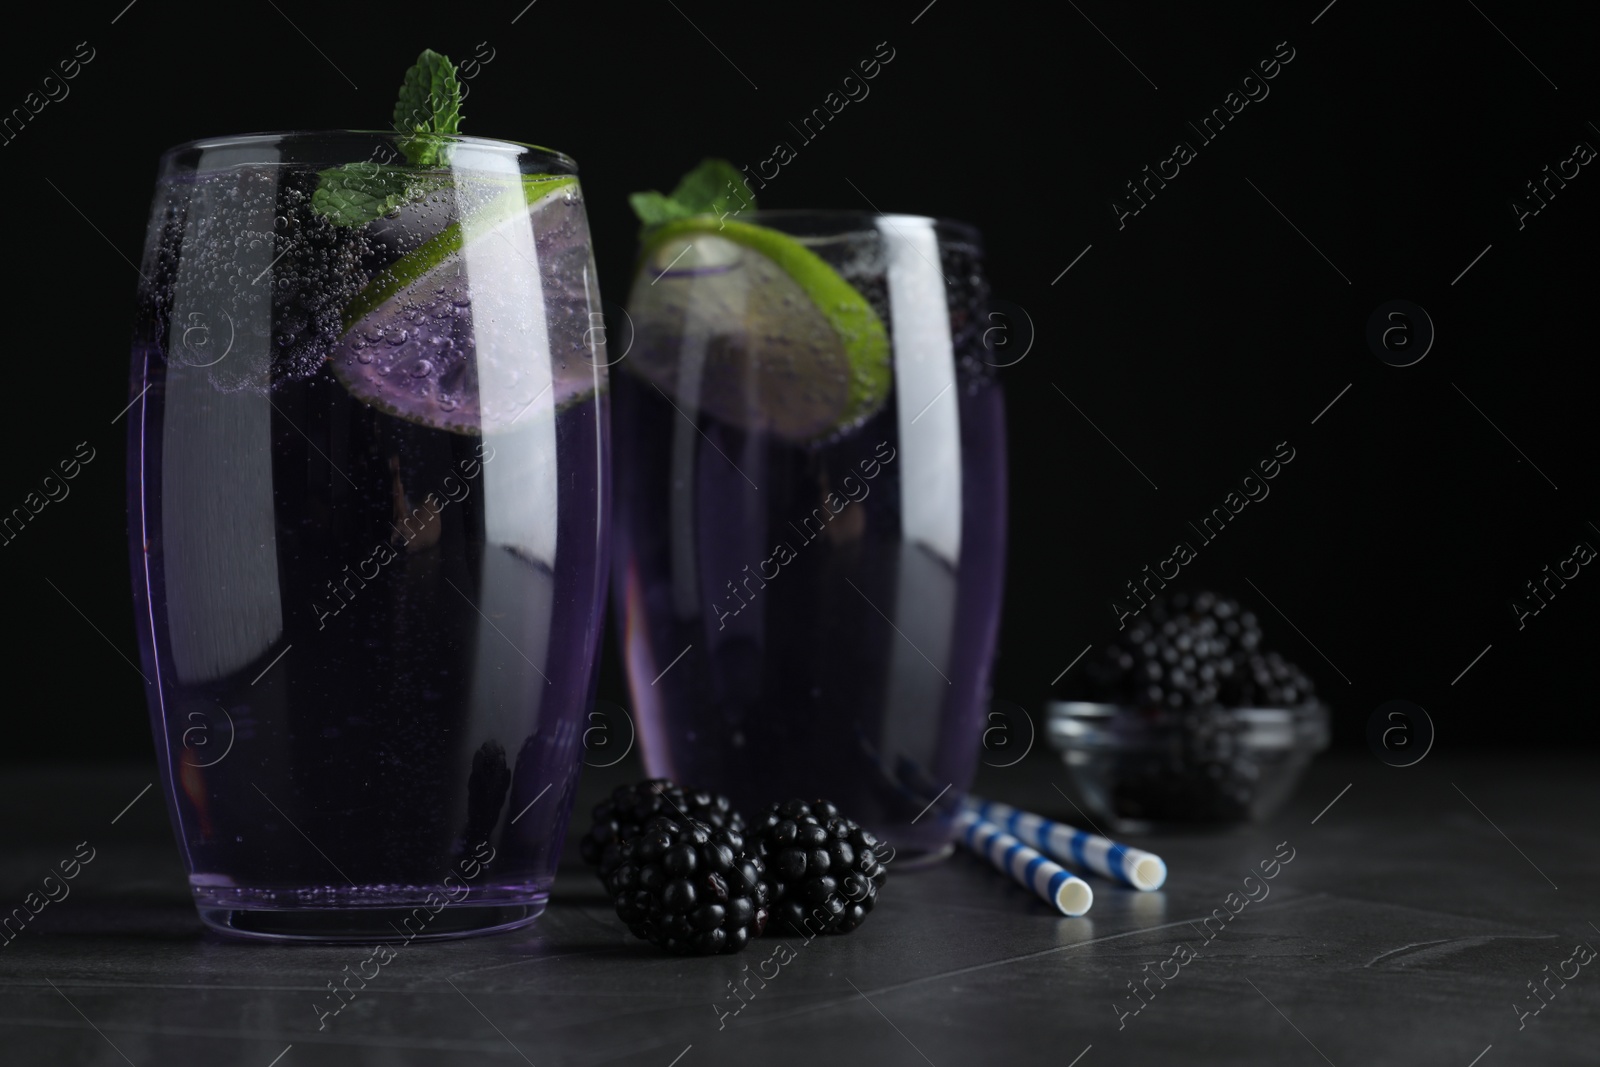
x=715, y=187
x=429, y=103
x=427, y=109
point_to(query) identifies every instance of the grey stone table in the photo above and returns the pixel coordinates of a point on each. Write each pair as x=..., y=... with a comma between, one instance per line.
x=1407, y=928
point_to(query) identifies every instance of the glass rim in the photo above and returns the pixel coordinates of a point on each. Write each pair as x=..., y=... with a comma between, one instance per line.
x=265, y=137
x=849, y=220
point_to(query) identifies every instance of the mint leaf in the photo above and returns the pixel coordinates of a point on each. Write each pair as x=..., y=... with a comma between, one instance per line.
x=429, y=103
x=427, y=110
x=715, y=187
x=653, y=208
x=357, y=193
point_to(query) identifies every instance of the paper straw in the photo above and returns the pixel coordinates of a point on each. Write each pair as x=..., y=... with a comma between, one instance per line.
x=1130, y=866
x=1051, y=882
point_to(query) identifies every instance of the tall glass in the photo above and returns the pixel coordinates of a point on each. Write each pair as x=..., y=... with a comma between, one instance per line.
x=809, y=581
x=368, y=504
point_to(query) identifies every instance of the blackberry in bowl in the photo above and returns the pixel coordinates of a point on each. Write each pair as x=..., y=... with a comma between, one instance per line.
x=1188, y=720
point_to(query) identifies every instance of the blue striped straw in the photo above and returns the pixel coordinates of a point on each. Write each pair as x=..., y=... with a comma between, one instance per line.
x=1130, y=866
x=1052, y=883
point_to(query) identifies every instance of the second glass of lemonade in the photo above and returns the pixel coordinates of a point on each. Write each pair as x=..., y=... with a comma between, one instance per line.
x=811, y=503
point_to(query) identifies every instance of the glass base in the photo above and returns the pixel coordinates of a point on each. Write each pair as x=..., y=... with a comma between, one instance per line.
x=368, y=925
x=366, y=914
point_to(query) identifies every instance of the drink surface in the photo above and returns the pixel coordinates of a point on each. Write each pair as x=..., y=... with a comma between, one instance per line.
x=833, y=595
x=367, y=553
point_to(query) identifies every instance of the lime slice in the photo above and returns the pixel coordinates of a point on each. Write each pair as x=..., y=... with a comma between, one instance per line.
x=750, y=326
x=454, y=334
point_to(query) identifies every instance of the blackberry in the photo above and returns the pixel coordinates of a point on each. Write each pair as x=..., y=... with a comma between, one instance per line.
x=318, y=274
x=1274, y=682
x=630, y=809
x=824, y=869
x=688, y=888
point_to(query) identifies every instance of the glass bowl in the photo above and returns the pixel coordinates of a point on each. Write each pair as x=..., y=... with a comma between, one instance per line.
x=1145, y=769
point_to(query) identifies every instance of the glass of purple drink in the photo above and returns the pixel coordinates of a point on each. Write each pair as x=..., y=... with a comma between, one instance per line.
x=811, y=512
x=368, y=501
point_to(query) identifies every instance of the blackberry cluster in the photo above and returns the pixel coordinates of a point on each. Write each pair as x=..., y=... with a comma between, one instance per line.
x=316, y=269
x=306, y=315
x=684, y=874
x=1192, y=652
x=688, y=888
x=631, y=808
x=1184, y=667
x=825, y=870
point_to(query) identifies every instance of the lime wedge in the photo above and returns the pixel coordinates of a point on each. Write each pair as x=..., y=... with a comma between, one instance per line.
x=749, y=325
x=477, y=351
x=448, y=241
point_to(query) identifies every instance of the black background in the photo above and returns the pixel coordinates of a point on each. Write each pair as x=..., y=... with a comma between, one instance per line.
x=1196, y=338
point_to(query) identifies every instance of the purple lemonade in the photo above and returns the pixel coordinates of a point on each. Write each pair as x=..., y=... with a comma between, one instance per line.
x=368, y=505
x=809, y=581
